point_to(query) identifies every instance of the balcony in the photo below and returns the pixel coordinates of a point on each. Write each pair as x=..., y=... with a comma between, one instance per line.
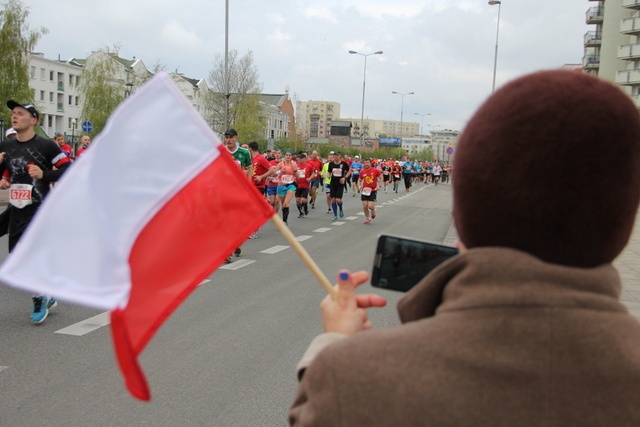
x=630, y=26
x=631, y=4
x=592, y=39
x=591, y=62
x=629, y=51
x=628, y=77
x=595, y=15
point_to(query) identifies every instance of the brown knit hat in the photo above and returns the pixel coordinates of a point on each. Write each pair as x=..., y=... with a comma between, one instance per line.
x=550, y=165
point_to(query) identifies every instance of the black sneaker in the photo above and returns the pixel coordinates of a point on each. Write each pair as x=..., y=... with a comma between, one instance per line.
x=306, y=210
x=238, y=252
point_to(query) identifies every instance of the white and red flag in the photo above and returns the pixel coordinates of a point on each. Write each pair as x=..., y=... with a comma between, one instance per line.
x=147, y=213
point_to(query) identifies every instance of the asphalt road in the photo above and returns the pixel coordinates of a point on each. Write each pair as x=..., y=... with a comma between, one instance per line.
x=226, y=357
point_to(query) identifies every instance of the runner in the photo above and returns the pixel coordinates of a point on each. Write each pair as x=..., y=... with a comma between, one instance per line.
x=356, y=167
x=306, y=174
x=288, y=170
x=370, y=184
x=317, y=163
x=326, y=179
x=243, y=159
x=396, y=171
x=339, y=171
x=386, y=175
x=272, y=182
x=261, y=170
x=30, y=161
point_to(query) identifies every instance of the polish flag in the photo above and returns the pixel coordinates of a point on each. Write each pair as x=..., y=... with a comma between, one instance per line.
x=149, y=211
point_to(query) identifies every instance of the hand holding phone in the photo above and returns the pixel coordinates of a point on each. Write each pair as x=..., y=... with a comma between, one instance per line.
x=400, y=263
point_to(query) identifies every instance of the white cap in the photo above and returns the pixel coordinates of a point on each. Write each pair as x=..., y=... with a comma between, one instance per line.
x=10, y=131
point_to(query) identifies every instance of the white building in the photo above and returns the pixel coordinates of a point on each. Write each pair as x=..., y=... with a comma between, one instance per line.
x=55, y=91
x=612, y=46
x=443, y=141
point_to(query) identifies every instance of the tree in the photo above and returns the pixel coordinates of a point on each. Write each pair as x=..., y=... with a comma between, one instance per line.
x=242, y=93
x=16, y=41
x=100, y=86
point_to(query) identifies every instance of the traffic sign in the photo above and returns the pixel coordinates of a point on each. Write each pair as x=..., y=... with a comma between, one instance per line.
x=449, y=150
x=87, y=126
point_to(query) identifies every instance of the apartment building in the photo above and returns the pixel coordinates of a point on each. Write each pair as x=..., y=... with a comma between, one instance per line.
x=55, y=90
x=383, y=128
x=278, y=116
x=612, y=46
x=313, y=118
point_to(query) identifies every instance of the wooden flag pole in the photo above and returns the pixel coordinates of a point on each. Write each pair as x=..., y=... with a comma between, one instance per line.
x=304, y=255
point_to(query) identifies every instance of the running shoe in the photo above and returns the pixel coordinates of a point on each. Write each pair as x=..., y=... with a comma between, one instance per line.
x=254, y=235
x=328, y=211
x=367, y=221
x=306, y=210
x=373, y=214
x=40, y=310
x=228, y=260
x=335, y=218
x=313, y=205
x=341, y=214
x=301, y=215
x=238, y=252
x=51, y=303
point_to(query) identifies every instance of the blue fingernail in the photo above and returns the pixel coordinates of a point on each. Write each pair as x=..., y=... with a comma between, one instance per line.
x=344, y=275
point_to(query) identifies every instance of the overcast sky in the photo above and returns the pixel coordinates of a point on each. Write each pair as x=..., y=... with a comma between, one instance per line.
x=443, y=50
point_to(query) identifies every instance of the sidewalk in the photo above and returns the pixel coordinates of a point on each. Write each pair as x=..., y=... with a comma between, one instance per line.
x=628, y=265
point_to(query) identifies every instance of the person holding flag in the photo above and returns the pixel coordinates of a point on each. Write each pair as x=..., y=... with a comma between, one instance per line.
x=30, y=160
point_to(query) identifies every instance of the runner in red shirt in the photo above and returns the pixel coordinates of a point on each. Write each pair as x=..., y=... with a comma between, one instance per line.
x=369, y=182
x=272, y=182
x=306, y=174
x=316, y=183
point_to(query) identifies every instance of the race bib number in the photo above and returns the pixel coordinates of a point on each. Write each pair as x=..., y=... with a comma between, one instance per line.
x=366, y=191
x=287, y=179
x=396, y=175
x=385, y=172
x=337, y=172
x=302, y=173
x=20, y=195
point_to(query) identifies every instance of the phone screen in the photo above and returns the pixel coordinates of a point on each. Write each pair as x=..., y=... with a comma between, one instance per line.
x=400, y=263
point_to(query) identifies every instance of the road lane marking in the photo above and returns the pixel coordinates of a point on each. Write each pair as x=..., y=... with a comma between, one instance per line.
x=274, y=249
x=237, y=264
x=351, y=218
x=321, y=230
x=303, y=238
x=89, y=325
x=2, y=368
x=338, y=223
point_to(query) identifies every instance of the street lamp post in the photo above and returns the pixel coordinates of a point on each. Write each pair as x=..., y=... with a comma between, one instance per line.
x=73, y=136
x=437, y=146
x=422, y=122
x=364, y=82
x=495, y=56
x=402, y=107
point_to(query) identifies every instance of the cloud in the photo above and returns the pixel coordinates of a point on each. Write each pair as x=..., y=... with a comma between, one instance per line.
x=322, y=13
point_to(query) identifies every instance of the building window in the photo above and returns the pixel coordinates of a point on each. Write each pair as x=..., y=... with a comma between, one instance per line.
x=77, y=103
x=41, y=95
x=33, y=72
x=70, y=100
x=51, y=75
x=50, y=96
x=42, y=70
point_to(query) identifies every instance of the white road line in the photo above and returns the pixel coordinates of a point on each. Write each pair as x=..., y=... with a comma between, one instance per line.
x=89, y=325
x=275, y=249
x=360, y=213
x=204, y=281
x=338, y=223
x=351, y=218
x=321, y=230
x=2, y=368
x=303, y=238
x=237, y=264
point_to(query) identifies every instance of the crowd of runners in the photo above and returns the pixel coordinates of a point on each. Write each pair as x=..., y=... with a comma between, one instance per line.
x=305, y=179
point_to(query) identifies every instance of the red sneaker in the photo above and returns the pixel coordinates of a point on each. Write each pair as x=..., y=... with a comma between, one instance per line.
x=373, y=214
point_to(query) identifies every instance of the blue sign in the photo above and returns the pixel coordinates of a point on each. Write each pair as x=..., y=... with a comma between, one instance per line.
x=390, y=142
x=87, y=126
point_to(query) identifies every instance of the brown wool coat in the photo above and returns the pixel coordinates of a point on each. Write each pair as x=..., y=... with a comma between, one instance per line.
x=493, y=337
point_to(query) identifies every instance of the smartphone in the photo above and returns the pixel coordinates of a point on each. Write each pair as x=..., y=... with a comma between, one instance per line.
x=400, y=262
